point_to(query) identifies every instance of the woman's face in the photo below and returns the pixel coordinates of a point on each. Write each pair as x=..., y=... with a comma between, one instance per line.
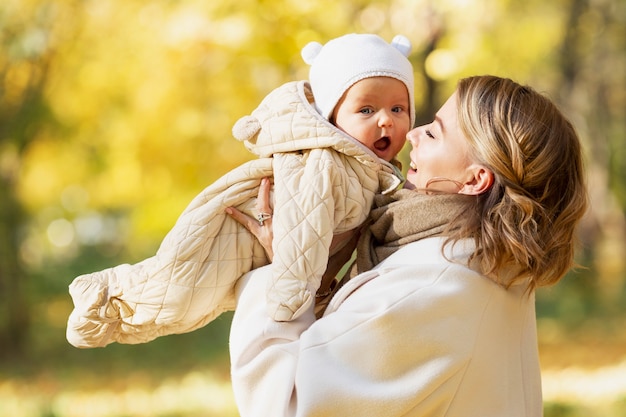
x=440, y=154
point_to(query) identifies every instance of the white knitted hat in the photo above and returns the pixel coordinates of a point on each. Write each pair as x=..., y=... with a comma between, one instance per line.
x=343, y=61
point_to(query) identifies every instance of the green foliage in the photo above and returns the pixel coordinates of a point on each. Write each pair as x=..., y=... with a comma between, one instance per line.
x=558, y=409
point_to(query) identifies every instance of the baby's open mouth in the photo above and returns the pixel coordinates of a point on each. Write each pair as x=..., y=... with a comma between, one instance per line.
x=382, y=143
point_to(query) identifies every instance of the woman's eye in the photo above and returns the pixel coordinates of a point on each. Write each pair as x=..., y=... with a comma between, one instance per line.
x=430, y=135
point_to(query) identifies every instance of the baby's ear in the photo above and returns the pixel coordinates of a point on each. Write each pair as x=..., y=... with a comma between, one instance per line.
x=246, y=128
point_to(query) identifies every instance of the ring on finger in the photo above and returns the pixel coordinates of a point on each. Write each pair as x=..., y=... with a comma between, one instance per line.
x=261, y=217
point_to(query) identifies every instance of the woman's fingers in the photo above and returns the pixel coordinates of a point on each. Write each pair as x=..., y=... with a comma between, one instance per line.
x=261, y=227
x=263, y=232
x=263, y=199
x=248, y=222
x=263, y=202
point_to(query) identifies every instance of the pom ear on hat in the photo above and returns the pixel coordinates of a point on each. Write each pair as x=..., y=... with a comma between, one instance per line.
x=310, y=51
x=246, y=128
x=402, y=44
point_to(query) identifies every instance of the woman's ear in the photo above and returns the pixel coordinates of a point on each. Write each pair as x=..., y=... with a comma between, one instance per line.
x=481, y=180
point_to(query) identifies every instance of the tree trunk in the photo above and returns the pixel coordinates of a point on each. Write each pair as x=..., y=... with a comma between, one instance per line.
x=14, y=308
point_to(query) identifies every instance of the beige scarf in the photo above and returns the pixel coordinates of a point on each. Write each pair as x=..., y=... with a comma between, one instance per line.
x=397, y=219
x=403, y=217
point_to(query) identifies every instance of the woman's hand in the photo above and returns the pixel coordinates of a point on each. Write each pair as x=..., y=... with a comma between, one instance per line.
x=260, y=227
x=340, y=249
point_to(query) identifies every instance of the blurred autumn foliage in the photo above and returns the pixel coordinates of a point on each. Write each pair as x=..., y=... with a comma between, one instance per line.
x=115, y=113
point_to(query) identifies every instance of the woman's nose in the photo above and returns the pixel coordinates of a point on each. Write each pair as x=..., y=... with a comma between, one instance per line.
x=412, y=135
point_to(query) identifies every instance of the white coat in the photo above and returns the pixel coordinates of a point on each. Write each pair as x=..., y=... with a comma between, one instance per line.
x=417, y=336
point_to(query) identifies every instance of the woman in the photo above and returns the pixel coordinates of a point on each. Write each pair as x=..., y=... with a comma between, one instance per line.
x=442, y=321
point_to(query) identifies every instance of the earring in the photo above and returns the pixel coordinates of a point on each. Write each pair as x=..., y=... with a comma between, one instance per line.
x=442, y=179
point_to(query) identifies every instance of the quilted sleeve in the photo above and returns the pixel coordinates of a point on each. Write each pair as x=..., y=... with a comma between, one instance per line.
x=104, y=309
x=303, y=230
x=186, y=284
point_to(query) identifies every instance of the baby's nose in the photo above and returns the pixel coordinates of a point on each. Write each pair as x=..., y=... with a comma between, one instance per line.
x=385, y=118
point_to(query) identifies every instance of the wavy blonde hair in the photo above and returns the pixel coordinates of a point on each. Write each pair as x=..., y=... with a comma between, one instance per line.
x=525, y=224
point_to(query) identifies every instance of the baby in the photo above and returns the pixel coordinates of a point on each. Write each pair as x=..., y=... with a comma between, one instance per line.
x=329, y=144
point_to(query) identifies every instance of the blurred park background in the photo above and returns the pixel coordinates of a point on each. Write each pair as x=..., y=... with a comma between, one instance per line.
x=114, y=114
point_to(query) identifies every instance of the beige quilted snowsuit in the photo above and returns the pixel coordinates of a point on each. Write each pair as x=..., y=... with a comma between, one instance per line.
x=324, y=184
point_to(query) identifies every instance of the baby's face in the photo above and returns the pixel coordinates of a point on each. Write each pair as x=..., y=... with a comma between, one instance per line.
x=375, y=111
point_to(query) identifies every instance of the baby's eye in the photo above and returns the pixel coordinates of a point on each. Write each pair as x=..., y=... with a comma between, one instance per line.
x=366, y=110
x=397, y=109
